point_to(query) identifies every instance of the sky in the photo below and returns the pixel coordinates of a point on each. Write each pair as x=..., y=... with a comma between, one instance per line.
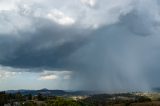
x=105, y=45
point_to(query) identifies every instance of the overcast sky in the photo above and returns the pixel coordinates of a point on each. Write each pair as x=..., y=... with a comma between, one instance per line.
x=109, y=45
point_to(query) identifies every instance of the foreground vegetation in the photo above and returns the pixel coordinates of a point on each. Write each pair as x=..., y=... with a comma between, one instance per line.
x=126, y=99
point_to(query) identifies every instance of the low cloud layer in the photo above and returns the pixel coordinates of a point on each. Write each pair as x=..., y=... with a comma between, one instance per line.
x=53, y=75
x=109, y=45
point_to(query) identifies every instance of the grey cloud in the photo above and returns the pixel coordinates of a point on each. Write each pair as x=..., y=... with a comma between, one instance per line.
x=35, y=41
x=45, y=48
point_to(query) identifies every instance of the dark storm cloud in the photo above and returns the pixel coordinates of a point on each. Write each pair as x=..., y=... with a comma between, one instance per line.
x=47, y=47
x=40, y=36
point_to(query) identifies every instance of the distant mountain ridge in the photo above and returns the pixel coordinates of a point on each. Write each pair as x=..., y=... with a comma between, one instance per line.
x=157, y=89
x=48, y=92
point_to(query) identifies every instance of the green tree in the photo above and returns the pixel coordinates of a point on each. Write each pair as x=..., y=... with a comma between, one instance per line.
x=40, y=97
x=30, y=97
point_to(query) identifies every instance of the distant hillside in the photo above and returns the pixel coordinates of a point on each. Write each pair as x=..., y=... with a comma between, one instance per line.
x=156, y=89
x=50, y=92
